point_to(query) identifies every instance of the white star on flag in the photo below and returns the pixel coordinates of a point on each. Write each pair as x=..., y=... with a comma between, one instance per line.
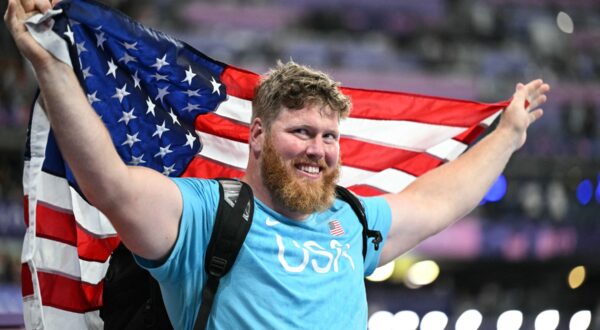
x=127, y=58
x=160, y=62
x=92, y=97
x=174, y=117
x=160, y=129
x=131, y=140
x=129, y=46
x=151, y=107
x=136, y=80
x=191, y=93
x=127, y=116
x=162, y=92
x=164, y=151
x=189, y=75
x=168, y=170
x=190, y=107
x=137, y=160
x=86, y=73
x=215, y=86
x=120, y=93
x=190, y=139
x=112, y=68
x=100, y=40
x=70, y=35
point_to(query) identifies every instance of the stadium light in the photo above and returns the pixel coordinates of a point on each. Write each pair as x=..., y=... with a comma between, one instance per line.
x=381, y=320
x=580, y=320
x=434, y=320
x=469, y=320
x=510, y=320
x=547, y=320
x=406, y=320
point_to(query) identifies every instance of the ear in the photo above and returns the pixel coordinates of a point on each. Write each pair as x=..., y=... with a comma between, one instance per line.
x=257, y=135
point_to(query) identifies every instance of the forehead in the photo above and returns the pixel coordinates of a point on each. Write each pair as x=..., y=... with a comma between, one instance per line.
x=310, y=115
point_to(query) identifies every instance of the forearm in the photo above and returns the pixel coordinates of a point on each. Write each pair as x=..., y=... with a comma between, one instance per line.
x=454, y=189
x=83, y=140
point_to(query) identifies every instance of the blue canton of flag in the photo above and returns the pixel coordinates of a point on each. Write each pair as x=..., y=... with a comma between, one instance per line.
x=147, y=87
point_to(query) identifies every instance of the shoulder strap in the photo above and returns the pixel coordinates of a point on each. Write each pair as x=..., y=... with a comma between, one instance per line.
x=232, y=223
x=347, y=196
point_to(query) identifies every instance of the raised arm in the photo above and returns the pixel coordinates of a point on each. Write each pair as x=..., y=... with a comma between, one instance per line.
x=444, y=195
x=143, y=205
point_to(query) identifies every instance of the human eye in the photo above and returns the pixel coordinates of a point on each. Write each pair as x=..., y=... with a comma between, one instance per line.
x=302, y=132
x=332, y=137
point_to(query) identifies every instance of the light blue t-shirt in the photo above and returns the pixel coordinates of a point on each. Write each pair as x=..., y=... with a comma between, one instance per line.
x=288, y=275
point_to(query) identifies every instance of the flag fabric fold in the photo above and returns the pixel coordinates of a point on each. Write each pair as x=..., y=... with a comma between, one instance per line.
x=169, y=107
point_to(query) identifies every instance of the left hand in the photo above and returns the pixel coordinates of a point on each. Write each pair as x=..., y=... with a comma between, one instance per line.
x=524, y=110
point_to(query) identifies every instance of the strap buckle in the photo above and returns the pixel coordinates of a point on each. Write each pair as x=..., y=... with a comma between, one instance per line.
x=217, y=266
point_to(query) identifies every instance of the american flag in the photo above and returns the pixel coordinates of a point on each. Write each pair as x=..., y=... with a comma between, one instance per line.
x=171, y=108
x=335, y=228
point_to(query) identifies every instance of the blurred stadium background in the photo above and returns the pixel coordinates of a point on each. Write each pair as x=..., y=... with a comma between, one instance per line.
x=530, y=249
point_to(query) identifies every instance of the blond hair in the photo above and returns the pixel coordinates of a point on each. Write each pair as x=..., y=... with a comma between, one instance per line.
x=293, y=86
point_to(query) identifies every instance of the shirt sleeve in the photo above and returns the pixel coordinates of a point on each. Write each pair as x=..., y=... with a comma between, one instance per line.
x=200, y=201
x=379, y=217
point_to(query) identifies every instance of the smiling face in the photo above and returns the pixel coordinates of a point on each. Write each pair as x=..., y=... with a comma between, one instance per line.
x=299, y=161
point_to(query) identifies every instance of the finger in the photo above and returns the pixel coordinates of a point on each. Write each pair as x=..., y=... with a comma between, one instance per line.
x=36, y=5
x=539, y=100
x=28, y=5
x=43, y=5
x=535, y=115
x=11, y=17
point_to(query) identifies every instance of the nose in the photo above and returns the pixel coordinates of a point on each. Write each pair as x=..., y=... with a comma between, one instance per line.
x=315, y=149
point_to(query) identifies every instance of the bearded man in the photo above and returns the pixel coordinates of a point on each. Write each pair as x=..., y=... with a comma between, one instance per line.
x=291, y=273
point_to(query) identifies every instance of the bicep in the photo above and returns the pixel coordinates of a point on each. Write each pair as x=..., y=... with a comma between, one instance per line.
x=410, y=224
x=147, y=212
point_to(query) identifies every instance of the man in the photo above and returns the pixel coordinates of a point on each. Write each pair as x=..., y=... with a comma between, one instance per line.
x=290, y=272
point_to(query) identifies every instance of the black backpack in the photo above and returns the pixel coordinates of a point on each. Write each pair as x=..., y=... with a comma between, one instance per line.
x=132, y=298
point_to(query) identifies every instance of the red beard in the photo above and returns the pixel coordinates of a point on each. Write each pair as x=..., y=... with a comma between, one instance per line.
x=295, y=193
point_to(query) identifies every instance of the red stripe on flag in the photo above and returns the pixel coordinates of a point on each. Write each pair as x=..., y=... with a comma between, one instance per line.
x=365, y=190
x=26, y=210
x=419, y=108
x=471, y=134
x=223, y=127
x=240, y=83
x=60, y=225
x=26, y=281
x=419, y=164
x=201, y=167
x=69, y=294
x=92, y=248
x=377, y=158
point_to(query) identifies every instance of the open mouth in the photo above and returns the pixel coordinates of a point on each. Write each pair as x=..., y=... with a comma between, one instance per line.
x=311, y=170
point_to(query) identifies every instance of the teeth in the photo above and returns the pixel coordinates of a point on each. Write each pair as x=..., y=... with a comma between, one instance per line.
x=310, y=169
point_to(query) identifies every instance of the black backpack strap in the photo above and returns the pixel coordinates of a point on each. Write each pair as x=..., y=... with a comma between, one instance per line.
x=347, y=196
x=232, y=223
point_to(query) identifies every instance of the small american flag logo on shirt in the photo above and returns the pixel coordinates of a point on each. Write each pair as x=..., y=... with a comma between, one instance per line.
x=335, y=228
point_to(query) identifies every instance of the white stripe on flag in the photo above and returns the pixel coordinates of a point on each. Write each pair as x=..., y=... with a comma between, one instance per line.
x=489, y=120
x=447, y=150
x=55, y=191
x=59, y=258
x=401, y=134
x=236, y=109
x=390, y=180
x=223, y=150
x=55, y=318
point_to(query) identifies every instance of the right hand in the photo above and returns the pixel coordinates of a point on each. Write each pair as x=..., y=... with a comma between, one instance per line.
x=17, y=12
